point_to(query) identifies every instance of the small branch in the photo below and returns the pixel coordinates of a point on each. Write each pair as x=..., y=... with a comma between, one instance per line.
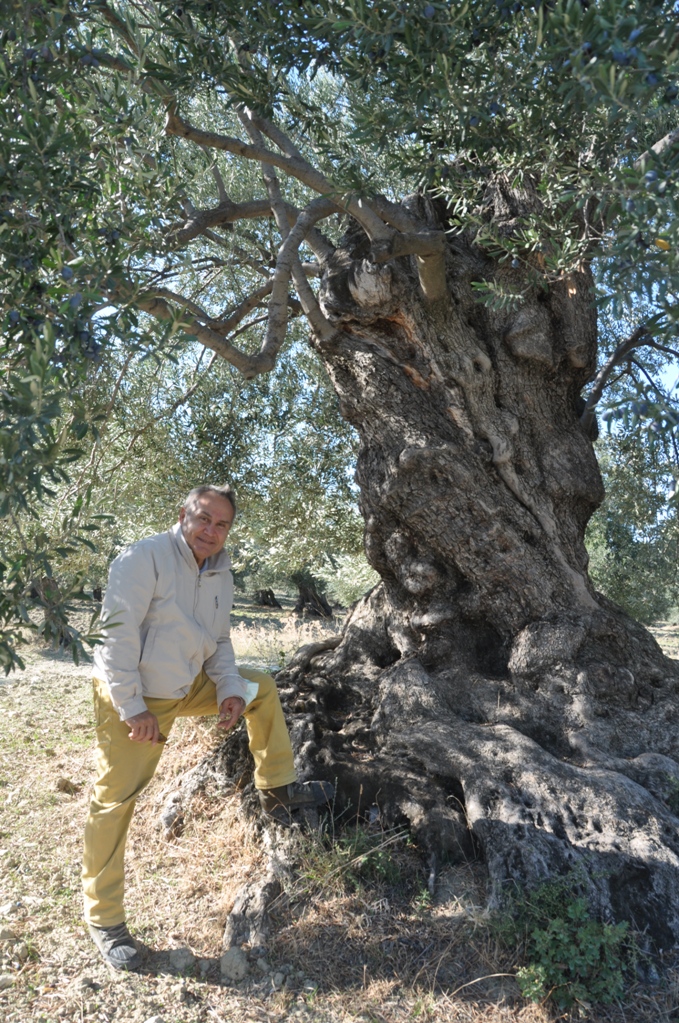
x=221, y=187
x=225, y=324
x=659, y=149
x=118, y=384
x=394, y=214
x=663, y=348
x=654, y=386
x=116, y=22
x=636, y=340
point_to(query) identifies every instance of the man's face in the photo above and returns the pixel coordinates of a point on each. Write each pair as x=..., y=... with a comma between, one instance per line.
x=206, y=525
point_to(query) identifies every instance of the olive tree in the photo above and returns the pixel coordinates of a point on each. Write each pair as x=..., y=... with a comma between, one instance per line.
x=447, y=194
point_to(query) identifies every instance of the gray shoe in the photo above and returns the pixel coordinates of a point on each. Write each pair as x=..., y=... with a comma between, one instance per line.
x=116, y=946
x=280, y=802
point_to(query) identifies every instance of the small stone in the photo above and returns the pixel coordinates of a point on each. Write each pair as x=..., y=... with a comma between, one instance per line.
x=310, y=986
x=154, y=1019
x=7, y=934
x=204, y=965
x=6, y=980
x=21, y=951
x=182, y=959
x=10, y=908
x=85, y=983
x=278, y=980
x=286, y=969
x=262, y=965
x=66, y=785
x=233, y=964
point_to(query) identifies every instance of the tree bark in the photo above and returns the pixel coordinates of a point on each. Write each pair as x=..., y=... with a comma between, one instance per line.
x=483, y=692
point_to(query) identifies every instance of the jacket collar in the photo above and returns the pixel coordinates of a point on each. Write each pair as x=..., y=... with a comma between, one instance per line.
x=215, y=563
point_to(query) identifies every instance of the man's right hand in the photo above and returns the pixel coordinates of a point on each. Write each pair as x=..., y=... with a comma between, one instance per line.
x=144, y=728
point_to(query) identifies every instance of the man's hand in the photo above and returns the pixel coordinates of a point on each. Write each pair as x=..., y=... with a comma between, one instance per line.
x=144, y=728
x=230, y=710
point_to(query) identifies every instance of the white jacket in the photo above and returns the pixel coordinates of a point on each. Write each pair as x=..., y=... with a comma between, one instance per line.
x=163, y=621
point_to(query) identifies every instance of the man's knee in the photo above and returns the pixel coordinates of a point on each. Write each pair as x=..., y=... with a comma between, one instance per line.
x=266, y=684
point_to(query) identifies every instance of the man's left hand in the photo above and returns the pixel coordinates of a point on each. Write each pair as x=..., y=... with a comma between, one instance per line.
x=230, y=710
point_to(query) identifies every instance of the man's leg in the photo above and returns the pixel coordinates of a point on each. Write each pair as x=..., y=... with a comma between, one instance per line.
x=124, y=768
x=268, y=739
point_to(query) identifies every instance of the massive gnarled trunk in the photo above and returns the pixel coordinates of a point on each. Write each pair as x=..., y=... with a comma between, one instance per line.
x=484, y=692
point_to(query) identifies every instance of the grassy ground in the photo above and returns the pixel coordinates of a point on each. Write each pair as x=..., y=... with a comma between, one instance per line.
x=353, y=939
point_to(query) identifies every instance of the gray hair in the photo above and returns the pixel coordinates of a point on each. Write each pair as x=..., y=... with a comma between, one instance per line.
x=191, y=499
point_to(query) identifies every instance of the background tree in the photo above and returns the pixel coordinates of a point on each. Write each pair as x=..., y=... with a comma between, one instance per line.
x=504, y=703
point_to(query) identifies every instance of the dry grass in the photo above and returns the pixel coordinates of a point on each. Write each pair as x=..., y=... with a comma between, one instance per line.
x=667, y=634
x=273, y=646
x=357, y=941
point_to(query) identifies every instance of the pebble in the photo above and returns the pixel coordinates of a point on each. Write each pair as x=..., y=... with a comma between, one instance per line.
x=6, y=980
x=182, y=959
x=154, y=1019
x=310, y=986
x=278, y=980
x=66, y=785
x=7, y=934
x=10, y=908
x=233, y=964
x=204, y=965
x=21, y=951
x=262, y=965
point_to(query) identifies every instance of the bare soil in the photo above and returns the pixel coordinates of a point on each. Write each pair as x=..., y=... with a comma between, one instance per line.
x=349, y=942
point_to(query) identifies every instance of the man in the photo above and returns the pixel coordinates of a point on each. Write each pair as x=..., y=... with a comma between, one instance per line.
x=167, y=653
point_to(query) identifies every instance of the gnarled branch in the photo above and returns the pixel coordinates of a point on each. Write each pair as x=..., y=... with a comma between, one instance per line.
x=294, y=166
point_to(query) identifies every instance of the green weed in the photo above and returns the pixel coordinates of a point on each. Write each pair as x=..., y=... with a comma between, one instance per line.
x=571, y=957
x=348, y=860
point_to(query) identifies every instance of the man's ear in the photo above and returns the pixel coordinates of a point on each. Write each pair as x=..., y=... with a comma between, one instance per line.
x=182, y=514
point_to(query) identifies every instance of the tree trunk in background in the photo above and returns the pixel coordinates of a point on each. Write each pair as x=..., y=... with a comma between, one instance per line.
x=483, y=692
x=266, y=598
x=310, y=600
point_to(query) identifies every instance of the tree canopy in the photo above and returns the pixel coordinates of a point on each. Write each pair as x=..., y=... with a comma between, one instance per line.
x=175, y=175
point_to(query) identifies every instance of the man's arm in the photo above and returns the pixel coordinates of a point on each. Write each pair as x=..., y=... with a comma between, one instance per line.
x=130, y=590
x=221, y=667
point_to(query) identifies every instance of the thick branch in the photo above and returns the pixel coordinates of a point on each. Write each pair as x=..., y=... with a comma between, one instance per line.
x=160, y=309
x=296, y=167
x=429, y=249
x=227, y=212
x=636, y=340
x=288, y=262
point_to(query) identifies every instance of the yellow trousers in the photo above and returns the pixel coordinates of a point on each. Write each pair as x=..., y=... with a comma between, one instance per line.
x=124, y=768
